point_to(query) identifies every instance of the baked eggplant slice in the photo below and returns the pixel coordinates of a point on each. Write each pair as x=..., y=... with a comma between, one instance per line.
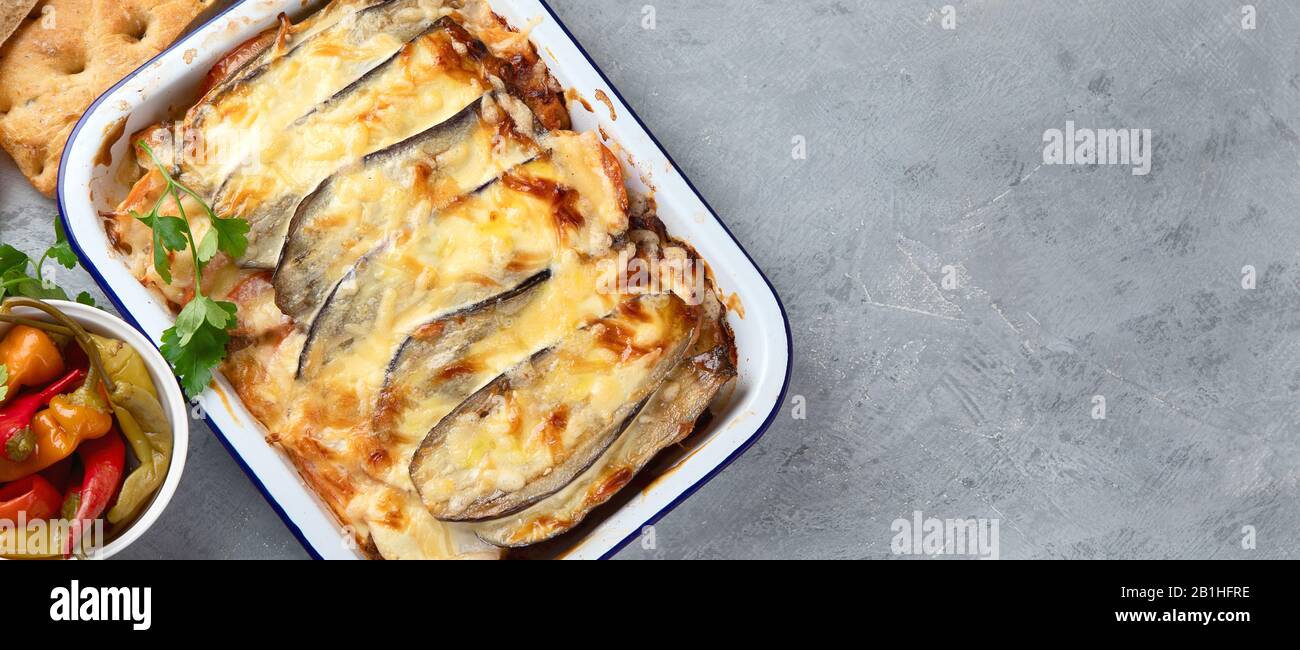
x=667, y=418
x=358, y=209
x=484, y=245
x=534, y=429
x=429, y=81
x=433, y=367
x=447, y=360
x=443, y=270
x=288, y=38
x=301, y=68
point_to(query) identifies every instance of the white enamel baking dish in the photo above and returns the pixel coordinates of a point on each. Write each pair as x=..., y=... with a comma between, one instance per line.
x=168, y=84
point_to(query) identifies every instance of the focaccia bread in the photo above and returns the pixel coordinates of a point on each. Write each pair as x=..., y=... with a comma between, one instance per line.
x=62, y=56
x=13, y=13
x=453, y=317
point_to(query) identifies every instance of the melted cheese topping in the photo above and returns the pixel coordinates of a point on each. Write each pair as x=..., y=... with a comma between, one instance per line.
x=563, y=304
x=374, y=203
x=483, y=245
x=540, y=414
x=667, y=418
x=320, y=57
x=423, y=86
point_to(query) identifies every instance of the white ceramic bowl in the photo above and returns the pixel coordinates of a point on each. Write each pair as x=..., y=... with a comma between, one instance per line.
x=103, y=323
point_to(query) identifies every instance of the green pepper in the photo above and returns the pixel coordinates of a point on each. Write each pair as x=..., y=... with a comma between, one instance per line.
x=123, y=364
x=152, y=446
x=143, y=423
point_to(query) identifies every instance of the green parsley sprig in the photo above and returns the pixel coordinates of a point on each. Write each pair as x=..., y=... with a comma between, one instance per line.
x=197, y=342
x=20, y=275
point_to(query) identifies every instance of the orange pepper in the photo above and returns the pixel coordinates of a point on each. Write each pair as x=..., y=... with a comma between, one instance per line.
x=81, y=421
x=31, y=356
x=58, y=430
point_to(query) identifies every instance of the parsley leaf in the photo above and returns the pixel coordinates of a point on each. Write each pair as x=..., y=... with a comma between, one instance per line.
x=232, y=236
x=194, y=360
x=172, y=231
x=21, y=275
x=208, y=247
x=196, y=343
x=169, y=234
x=11, y=257
x=61, y=251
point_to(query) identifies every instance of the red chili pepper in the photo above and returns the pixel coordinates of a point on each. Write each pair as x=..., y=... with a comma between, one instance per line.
x=32, y=495
x=16, y=443
x=103, y=460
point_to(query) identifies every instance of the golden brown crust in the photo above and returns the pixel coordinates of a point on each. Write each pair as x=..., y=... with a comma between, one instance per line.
x=60, y=60
x=525, y=76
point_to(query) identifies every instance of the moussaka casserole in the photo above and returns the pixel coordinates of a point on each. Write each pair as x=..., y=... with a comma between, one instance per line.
x=452, y=316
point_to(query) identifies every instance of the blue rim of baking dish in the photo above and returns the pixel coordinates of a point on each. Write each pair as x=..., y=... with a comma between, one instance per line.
x=230, y=449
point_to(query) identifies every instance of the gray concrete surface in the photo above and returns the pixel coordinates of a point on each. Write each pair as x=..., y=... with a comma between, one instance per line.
x=972, y=399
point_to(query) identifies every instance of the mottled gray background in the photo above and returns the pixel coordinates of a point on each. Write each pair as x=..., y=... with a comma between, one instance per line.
x=924, y=151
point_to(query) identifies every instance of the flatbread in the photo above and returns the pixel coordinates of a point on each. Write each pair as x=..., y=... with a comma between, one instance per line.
x=65, y=55
x=12, y=12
